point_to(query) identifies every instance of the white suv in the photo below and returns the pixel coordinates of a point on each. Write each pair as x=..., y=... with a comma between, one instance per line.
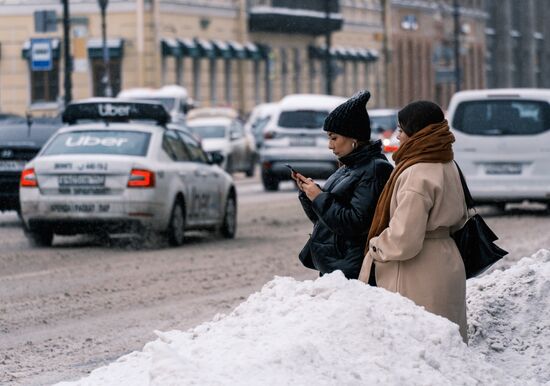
x=503, y=143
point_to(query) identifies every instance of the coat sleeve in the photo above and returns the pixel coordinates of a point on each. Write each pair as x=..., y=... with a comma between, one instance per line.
x=351, y=218
x=306, y=205
x=404, y=237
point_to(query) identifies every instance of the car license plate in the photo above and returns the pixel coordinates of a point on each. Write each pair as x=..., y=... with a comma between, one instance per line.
x=12, y=166
x=79, y=208
x=300, y=141
x=81, y=180
x=503, y=168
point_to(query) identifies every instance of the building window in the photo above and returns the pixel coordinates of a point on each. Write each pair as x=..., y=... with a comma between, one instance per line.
x=98, y=74
x=45, y=84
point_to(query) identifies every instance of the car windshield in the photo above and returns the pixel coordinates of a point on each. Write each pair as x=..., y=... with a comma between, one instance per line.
x=208, y=131
x=384, y=122
x=502, y=117
x=302, y=119
x=168, y=103
x=131, y=143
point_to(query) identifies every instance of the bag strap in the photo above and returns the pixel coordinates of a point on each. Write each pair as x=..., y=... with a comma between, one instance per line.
x=470, y=203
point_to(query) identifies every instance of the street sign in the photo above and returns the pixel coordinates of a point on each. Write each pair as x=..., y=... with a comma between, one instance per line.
x=41, y=54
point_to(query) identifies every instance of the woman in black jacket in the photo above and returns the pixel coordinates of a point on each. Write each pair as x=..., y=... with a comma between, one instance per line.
x=343, y=209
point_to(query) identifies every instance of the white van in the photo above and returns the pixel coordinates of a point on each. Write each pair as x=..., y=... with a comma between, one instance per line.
x=503, y=143
x=174, y=98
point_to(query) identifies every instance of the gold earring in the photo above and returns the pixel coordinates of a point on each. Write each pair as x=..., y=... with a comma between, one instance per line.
x=354, y=145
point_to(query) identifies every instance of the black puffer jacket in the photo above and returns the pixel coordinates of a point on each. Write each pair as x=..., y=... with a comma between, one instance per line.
x=343, y=212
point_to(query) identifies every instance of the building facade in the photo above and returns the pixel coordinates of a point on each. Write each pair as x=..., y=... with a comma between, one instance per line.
x=421, y=47
x=518, y=43
x=225, y=52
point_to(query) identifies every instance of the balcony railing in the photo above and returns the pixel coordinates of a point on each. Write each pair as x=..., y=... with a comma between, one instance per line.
x=311, y=17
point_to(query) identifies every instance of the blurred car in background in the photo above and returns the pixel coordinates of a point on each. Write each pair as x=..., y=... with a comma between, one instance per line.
x=118, y=167
x=295, y=136
x=222, y=132
x=174, y=98
x=259, y=119
x=503, y=143
x=21, y=139
x=383, y=122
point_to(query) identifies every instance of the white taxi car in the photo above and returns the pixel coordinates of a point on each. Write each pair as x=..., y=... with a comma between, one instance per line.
x=503, y=143
x=124, y=170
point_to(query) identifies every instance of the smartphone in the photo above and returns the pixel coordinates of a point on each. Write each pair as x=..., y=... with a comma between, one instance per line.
x=291, y=168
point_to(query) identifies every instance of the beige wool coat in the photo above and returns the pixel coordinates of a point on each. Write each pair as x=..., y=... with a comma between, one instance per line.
x=415, y=255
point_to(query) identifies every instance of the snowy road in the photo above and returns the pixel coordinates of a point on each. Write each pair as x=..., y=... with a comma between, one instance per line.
x=68, y=309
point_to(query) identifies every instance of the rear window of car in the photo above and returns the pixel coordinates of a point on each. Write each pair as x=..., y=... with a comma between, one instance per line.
x=302, y=119
x=208, y=131
x=502, y=117
x=133, y=143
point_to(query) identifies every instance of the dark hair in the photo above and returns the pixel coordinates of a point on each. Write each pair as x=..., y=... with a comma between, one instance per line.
x=417, y=115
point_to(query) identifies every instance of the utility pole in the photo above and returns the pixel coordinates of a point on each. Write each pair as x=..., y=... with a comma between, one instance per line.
x=457, y=30
x=67, y=54
x=108, y=91
x=328, y=61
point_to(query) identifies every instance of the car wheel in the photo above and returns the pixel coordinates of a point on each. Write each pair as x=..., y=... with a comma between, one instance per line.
x=176, y=227
x=270, y=182
x=40, y=238
x=229, y=225
x=229, y=164
x=252, y=168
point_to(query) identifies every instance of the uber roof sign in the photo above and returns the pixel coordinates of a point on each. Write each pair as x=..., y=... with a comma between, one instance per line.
x=115, y=110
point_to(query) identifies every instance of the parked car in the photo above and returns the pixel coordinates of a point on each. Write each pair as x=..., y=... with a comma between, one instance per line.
x=259, y=119
x=174, y=98
x=503, y=143
x=223, y=133
x=20, y=141
x=124, y=170
x=383, y=122
x=296, y=137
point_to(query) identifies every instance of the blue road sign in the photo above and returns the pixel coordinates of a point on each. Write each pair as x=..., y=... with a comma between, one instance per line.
x=41, y=54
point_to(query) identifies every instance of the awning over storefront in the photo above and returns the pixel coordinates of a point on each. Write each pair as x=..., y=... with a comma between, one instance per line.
x=344, y=53
x=222, y=49
x=115, y=47
x=56, y=50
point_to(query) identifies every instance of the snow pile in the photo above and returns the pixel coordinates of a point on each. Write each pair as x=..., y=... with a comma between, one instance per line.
x=334, y=331
x=508, y=317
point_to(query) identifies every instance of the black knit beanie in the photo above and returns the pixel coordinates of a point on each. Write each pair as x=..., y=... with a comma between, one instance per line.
x=419, y=114
x=351, y=119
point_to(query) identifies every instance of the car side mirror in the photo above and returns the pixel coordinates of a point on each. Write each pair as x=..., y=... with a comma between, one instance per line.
x=215, y=158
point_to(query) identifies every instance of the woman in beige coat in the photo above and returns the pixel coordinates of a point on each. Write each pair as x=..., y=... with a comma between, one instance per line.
x=410, y=247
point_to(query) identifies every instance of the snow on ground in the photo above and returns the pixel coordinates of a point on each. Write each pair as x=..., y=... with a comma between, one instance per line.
x=334, y=331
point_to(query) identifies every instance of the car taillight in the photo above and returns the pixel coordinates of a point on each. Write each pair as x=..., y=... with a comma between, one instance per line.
x=390, y=148
x=140, y=178
x=269, y=135
x=28, y=179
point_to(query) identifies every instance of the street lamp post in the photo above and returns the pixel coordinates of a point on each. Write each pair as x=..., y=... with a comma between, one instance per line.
x=328, y=61
x=106, y=79
x=66, y=53
x=457, y=30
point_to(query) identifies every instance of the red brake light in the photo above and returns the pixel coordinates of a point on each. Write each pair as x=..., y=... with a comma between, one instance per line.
x=140, y=178
x=390, y=148
x=28, y=179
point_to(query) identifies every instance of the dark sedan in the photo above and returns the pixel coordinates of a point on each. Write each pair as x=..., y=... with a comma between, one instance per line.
x=20, y=141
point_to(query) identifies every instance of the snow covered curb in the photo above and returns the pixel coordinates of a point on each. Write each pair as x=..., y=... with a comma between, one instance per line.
x=334, y=331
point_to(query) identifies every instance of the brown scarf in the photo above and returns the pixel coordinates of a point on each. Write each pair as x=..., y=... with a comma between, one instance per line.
x=431, y=144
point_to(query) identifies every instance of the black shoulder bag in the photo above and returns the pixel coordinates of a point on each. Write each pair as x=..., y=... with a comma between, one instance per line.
x=475, y=240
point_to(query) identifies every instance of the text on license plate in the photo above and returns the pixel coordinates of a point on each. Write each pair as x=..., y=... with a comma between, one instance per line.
x=503, y=168
x=302, y=142
x=12, y=166
x=81, y=179
x=79, y=208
